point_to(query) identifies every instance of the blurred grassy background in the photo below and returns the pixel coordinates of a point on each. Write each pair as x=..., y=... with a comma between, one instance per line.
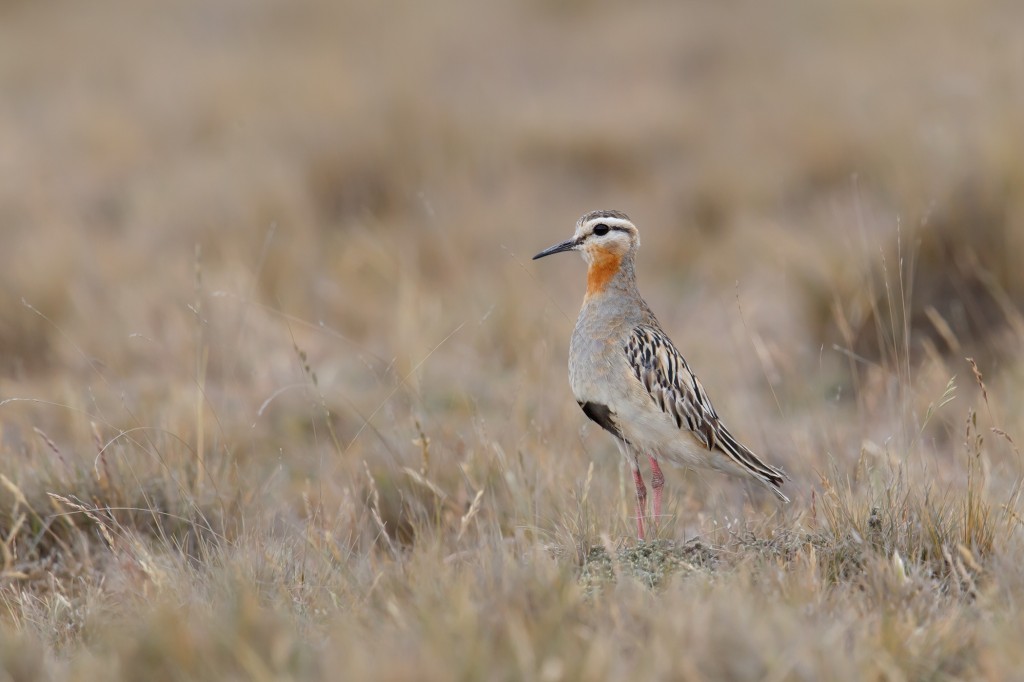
x=265, y=290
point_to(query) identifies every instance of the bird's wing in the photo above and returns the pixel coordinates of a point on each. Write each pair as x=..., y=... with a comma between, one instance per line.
x=663, y=372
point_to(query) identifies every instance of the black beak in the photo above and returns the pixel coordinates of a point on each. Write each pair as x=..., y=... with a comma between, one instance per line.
x=567, y=245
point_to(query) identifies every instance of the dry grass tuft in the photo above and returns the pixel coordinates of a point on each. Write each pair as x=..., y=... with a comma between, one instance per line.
x=949, y=284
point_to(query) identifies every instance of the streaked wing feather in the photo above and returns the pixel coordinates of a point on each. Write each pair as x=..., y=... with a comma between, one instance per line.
x=677, y=391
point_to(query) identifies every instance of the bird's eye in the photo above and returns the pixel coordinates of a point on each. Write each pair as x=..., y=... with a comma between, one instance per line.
x=601, y=229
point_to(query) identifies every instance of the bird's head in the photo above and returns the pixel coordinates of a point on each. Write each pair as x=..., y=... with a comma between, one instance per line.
x=600, y=236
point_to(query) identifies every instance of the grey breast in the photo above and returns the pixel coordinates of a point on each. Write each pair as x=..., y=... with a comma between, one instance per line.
x=597, y=360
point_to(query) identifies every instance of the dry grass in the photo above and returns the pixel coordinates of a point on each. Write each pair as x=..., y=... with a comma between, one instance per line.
x=281, y=396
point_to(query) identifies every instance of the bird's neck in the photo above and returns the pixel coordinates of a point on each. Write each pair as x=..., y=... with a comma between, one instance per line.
x=610, y=273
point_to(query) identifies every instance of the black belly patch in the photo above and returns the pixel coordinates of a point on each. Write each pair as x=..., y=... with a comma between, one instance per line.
x=604, y=418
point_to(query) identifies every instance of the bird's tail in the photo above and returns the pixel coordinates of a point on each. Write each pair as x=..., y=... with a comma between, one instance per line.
x=769, y=476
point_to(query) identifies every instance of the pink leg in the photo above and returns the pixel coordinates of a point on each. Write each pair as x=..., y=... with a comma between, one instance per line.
x=641, y=502
x=657, y=482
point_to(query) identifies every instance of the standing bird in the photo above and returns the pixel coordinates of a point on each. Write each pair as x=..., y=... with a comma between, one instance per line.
x=628, y=376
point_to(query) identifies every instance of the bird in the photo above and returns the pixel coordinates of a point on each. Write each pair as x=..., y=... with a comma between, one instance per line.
x=629, y=378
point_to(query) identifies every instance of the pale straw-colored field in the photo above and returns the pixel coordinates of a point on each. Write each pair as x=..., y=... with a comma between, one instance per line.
x=283, y=397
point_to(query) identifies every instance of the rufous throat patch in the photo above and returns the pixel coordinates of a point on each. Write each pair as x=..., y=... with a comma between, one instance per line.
x=603, y=266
